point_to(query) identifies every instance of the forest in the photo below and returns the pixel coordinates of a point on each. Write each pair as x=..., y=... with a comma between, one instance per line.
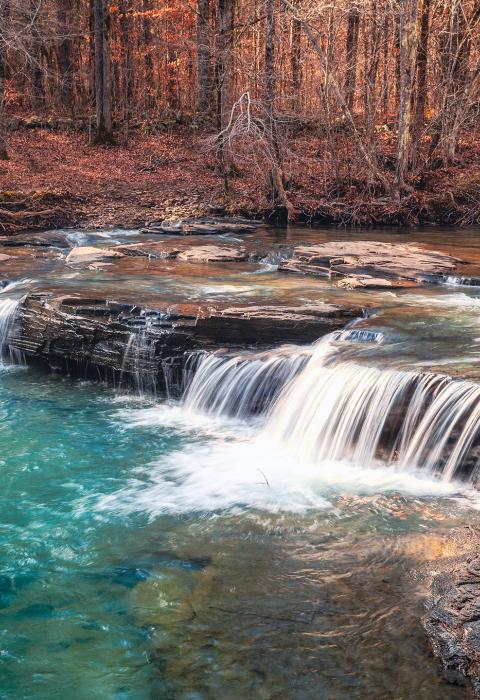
x=356, y=111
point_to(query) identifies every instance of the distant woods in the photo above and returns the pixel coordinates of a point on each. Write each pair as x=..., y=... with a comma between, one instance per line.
x=398, y=81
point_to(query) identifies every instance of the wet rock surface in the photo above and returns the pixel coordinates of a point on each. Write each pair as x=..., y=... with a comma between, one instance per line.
x=452, y=620
x=205, y=226
x=82, y=255
x=195, y=254
x=47, y=239
x=370, y=263
x=213, y=253
x=128, y=343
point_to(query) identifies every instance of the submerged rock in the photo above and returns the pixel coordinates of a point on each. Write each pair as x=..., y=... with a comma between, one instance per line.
x=206, y=226
x=160, y=250
x=370, y=263
x=47, y=239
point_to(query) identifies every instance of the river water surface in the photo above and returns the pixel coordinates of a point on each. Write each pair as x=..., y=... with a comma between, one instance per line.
x=188, y=551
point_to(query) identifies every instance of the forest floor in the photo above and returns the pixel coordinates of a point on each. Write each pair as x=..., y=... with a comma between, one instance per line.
x=56, y=178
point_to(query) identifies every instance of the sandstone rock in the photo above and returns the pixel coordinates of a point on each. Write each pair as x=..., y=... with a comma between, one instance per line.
x=370, y=264
x=84, y=255
x=4, y=257
x=452, y=621
x=213, y=253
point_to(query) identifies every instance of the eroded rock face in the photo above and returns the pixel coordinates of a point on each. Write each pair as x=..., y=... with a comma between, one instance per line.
x=370, y=264
x=149, y=347
x=452, y=621
x=195, y=254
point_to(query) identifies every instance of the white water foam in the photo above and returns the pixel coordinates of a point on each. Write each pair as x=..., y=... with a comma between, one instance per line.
x=256, y=474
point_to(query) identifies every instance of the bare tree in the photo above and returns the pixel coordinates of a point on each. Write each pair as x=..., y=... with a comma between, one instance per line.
x=103, y=92
x=408, y=28
x=204, y=58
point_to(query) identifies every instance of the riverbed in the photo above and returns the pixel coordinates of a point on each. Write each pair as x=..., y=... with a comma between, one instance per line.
x=175, y=549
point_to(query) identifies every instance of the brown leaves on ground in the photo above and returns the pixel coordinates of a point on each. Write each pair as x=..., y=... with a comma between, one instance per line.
x=174, y=175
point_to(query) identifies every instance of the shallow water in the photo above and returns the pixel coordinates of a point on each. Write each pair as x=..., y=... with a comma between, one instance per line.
x=148, y=550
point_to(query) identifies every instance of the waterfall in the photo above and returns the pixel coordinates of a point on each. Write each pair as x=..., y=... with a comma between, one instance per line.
x=412, y=420
x=243, y=385
x=8, y=311
x=324, y=410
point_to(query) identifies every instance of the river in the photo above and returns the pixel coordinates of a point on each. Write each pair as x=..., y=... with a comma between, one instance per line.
x=211, y=548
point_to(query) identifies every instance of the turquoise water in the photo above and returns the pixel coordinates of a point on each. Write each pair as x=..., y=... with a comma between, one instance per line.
x=149, y=554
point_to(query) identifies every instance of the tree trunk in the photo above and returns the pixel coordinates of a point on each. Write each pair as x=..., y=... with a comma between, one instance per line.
x=127, y=66
x=36, y=58
x=421, y=76
x=65, y=60
x=3, y=138
x=204, y=58
x=408, y=27
x=103, y=96
x=351, y=55
x=274, y=154
x=295, y=62
x=148, y=40
x=224, y=60
x=224, y=77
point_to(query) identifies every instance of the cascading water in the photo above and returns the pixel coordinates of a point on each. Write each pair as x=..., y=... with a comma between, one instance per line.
x=243, y=385
x=365, y=415
x=326, y=410
x=8, y=311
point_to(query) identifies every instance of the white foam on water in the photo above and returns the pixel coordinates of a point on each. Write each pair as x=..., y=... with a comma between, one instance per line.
x=256, y=474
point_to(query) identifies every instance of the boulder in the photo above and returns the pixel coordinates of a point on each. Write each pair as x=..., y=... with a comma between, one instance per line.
x=370, y=263
x=84, y=255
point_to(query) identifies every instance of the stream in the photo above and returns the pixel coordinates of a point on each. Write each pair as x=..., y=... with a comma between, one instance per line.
x=255, y=539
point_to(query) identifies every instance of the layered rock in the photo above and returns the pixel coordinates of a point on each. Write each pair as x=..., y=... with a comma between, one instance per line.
x=371, y=263
x=203, y=226
x=149, y=347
